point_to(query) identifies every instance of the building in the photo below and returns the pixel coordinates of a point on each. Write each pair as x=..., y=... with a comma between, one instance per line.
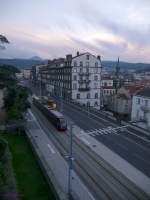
x=77, y=78
x=141, y=108
x=108, y=89
x=24, y=74
x=35, y=73
x=120, y=103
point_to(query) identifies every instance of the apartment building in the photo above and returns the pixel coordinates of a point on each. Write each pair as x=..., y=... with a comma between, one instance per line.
x=77, y=78
x=141, y=108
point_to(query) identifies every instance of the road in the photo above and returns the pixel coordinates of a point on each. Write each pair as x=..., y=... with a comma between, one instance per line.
x=102, y=183
x=131, y=145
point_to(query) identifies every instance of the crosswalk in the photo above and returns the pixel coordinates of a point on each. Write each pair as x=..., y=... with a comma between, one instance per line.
x=104, y=131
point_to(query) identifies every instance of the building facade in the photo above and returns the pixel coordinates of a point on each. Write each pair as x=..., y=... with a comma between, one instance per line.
x=141, y=108
x=77, y=78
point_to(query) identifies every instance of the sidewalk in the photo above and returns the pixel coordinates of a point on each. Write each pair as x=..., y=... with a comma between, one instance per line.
x=134, y=175
x=54, y=165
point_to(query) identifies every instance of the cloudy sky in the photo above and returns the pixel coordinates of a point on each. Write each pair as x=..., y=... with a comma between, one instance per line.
x=54, y=28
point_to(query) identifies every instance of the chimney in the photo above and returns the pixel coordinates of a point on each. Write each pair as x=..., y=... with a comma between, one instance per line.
x=69, y=57
x=98, y=57
x=78, y=53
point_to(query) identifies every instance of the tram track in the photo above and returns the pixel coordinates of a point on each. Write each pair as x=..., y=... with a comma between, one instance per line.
x=104, y=185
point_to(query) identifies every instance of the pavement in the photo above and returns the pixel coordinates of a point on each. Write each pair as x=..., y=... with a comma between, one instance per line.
x=55, y=166
x=103, y=181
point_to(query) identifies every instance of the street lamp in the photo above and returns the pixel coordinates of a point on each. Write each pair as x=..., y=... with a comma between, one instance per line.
x=70, y=159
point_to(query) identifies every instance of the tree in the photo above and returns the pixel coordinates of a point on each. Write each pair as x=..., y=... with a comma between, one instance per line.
x=3, y=41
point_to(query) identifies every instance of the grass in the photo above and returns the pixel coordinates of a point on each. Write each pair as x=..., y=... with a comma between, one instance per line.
x=30, y=180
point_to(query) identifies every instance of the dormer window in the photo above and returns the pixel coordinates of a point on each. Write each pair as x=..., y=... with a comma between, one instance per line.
x=87, y=57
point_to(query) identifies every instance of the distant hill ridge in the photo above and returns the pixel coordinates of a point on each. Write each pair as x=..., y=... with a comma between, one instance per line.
x=27, y=63
x=22, y=63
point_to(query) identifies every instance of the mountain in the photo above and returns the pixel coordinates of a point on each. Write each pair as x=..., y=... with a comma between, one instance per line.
x=22, y=63
x=27, y=63
x=126, y=65
x=35, y=58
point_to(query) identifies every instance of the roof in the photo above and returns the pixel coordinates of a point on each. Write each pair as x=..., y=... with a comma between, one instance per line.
x=123, y=96
x=133, y=89
x=144, y=92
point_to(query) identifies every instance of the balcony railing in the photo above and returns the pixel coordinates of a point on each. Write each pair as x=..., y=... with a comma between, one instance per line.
x=84, y=89
x=84, y=81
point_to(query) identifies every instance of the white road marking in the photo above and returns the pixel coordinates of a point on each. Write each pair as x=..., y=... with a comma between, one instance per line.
x=85, y=140
x=138, y=136
x=125, y=137
x=139, y=157
x=32, y=115
x=51, y=149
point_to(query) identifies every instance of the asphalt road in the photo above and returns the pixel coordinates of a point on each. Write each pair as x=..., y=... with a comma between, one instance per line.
x=133, y=149
x=101, y=183
x=130, y=144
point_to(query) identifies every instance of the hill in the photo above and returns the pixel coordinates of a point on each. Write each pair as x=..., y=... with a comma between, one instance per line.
x=27, y=64
x=22, y=63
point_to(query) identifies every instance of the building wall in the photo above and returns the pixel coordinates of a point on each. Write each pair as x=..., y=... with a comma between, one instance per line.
x=86, y=76
x=141, y=109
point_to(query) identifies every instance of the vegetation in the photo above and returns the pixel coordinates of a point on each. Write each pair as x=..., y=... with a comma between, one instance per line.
x=15, y=99
x=16, y=102
x=30, y=181
x=7, y=179
x=3, y=40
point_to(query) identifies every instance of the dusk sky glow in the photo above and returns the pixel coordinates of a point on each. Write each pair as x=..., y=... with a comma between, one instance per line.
x=50, y=28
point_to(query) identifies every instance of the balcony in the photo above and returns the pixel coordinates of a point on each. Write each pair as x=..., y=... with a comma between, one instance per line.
x=84, y=89
x=84, y=81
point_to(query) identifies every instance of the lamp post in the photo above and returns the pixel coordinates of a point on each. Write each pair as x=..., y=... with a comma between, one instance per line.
x=70, y=162
x=101, y=93
x=61, y=99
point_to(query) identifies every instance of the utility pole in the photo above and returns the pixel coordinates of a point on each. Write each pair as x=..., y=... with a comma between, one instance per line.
x=40, y=86
x=101, y=93
x=70, y=162
x=61, y=99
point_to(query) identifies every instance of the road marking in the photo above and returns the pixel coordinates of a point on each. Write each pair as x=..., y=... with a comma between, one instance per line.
x=52, y=150
x=138, y=136
x=32, y=115
x=136, y=155
x=125, y=137
x=85, y=140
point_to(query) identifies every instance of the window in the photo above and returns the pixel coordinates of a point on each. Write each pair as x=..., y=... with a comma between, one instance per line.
x=87, y=69
x=88, y=95
x=95, y=85
x=96, y=70
x=78, y=96
x=146, y=103
x=96, y=95
x=81, y=63
x=74, y=86
x=87, y=57
x=80, y=70
x=95, y=78
x=88, y=104
x=74, y=78
x=87, y=64
x=96, y=104
x=138, y=101
x=96, y=64
x=75, y=63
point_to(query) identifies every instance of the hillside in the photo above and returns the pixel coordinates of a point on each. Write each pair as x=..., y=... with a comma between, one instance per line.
x=27, y=63
x=22, y=63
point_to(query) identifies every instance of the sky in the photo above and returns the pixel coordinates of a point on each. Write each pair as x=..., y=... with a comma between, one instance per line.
x=54, y=28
